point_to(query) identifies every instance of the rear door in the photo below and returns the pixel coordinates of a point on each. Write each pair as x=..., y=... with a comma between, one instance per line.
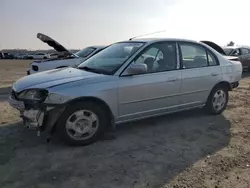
x=200, y=72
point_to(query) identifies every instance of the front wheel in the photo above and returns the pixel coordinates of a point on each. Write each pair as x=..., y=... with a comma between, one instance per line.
x=82, y=123
x=217, y=100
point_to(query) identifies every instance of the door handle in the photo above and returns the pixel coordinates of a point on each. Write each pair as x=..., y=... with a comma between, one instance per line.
x=214, y=74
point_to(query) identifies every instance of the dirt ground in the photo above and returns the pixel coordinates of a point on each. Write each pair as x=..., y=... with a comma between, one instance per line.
x=188, y=149
x=11, y=70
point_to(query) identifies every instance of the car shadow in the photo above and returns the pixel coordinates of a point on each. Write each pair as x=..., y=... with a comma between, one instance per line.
x=147, y=153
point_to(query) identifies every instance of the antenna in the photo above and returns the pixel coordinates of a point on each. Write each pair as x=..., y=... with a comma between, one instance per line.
x=147, y=34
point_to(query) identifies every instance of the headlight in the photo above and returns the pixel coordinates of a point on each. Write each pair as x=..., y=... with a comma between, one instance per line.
x=34, y=94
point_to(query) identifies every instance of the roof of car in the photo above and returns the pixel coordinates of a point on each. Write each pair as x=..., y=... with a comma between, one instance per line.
x=152, y=40
x=98, y=47
x=159, y=39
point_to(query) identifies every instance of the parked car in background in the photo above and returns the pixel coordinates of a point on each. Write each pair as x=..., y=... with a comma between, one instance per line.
x=28, y=56
x=54, y=55
x=1, y=55
x=242, y=52
x=65, y=59
x=21, y=56
x=40, y=55
x=8, y=56
x=126, y=81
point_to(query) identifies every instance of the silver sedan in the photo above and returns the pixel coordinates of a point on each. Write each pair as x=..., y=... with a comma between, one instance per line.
x=127, y=81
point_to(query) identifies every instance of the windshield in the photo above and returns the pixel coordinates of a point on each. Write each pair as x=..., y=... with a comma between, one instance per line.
x=228, y=51
x=85, y=52
x=111, y=58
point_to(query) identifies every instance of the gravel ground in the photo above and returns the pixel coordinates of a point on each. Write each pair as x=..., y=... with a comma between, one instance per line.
x=188, y=149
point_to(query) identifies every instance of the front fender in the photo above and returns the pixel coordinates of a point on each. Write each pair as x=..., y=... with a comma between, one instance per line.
x=104, y=91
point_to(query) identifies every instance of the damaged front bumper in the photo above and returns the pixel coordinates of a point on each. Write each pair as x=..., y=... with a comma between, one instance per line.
x=33, y=118
x=38, y=116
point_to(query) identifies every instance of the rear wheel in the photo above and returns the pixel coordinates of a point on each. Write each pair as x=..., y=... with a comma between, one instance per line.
x=82, y=123
x=217, y=100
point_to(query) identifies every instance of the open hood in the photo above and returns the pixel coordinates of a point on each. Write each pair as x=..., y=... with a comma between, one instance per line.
x=214, y=46
x=51, y=42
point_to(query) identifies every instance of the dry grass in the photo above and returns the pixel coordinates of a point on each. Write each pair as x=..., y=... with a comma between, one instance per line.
x=12, y=70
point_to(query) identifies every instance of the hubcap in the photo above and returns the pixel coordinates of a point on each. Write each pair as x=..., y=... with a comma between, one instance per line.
x=219, y=100
x=82, y=124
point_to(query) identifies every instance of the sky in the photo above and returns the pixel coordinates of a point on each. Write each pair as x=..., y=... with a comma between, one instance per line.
x=81, y=23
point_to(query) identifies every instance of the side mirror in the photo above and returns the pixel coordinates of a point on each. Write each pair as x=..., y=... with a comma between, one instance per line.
x=139, y=68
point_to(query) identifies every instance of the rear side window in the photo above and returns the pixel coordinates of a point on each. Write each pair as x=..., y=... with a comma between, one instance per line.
x=211, y=59
x=196, y=56
x=193, y=56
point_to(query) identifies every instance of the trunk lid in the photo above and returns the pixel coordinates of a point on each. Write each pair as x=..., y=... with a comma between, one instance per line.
x=220, y=50
x=214, y=46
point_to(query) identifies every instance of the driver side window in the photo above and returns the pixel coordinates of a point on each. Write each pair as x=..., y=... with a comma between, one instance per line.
x=159, y=57
x=152, y=52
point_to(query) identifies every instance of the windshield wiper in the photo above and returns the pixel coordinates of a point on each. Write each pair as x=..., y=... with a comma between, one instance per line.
x=93, y=70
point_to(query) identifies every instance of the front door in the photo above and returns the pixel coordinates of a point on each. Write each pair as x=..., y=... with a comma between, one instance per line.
x=155, y=91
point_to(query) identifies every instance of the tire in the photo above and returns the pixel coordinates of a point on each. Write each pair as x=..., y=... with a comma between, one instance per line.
x=211, y=101
x=67, y=134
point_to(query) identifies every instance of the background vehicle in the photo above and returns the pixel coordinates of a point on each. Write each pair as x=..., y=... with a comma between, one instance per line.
x=9, y=56
x=65, y=57
x=126, y=81
x=22, y=56
x=54, y=55
x=40, y=55
x=1, y=55
x=242, y=52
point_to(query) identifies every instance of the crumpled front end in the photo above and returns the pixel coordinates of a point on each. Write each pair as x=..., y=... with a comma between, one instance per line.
x=37, y=114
